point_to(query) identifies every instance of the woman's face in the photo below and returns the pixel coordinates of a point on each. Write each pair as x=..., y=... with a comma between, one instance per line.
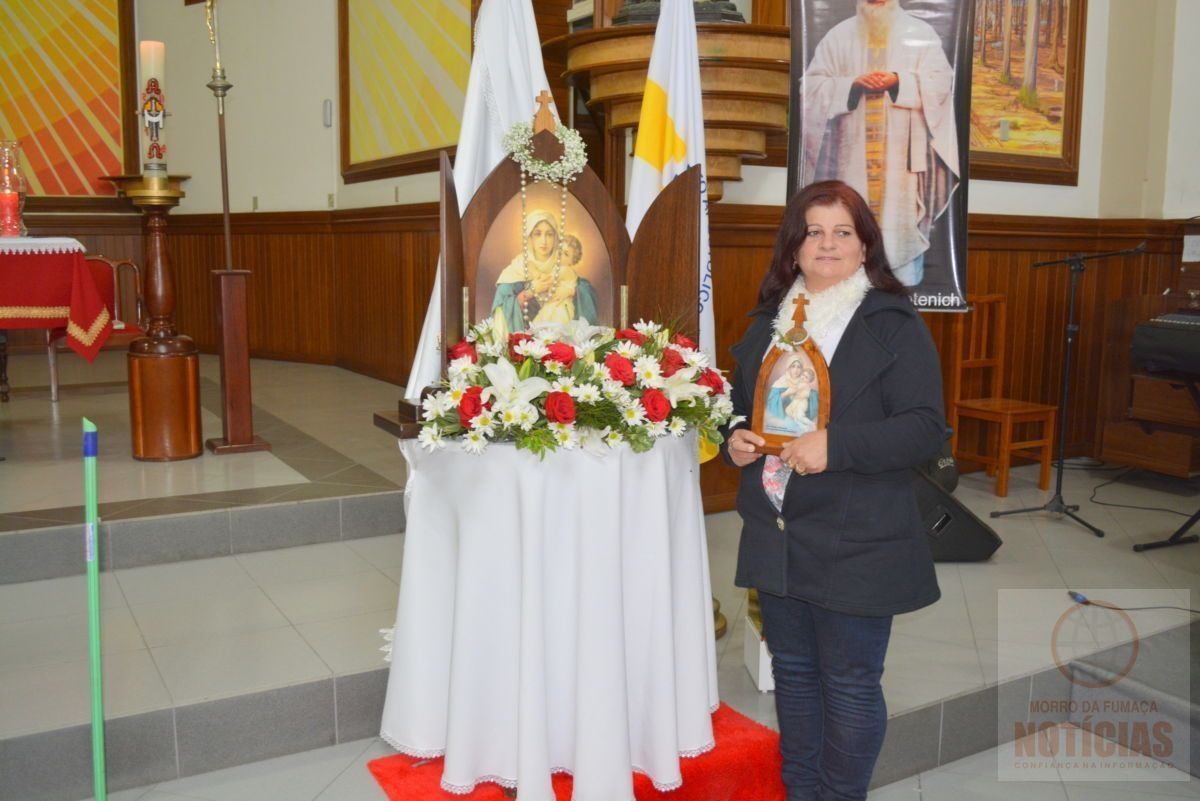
x=795, y=369
x=542, y=240
x=831, y=250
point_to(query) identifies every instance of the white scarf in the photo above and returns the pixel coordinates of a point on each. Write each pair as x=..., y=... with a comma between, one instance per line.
x=827, y=313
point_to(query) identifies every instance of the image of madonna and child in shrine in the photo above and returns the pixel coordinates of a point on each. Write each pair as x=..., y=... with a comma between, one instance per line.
x=793, y=396
x=543, y=264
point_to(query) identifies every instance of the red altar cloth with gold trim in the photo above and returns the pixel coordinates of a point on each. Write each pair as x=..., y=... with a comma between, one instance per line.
x=45, y=283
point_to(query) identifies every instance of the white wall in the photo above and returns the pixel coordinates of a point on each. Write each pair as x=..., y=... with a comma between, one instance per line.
x=283, y=64
x=1181, y=197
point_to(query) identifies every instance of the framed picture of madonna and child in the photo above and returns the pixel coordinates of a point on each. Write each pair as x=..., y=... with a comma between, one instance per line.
x=791, y=396
x=539, y=264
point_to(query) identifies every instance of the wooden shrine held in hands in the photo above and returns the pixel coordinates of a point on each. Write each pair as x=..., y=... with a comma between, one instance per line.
x=791, y=395
x=502, y=257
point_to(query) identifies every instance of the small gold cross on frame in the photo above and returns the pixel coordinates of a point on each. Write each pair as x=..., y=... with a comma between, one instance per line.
x=543, y=120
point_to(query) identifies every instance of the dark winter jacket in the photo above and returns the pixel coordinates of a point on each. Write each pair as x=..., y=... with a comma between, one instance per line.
x=850, y=539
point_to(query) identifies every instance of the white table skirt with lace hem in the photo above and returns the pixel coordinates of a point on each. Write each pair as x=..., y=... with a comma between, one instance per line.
x=554, y=615
x=24, y=245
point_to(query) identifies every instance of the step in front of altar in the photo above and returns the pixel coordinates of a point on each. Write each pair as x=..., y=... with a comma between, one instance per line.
x=47, y=549
x=208, y=663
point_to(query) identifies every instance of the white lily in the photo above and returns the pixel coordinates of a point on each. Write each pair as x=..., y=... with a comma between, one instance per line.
x=507, y=388
x=681, y=386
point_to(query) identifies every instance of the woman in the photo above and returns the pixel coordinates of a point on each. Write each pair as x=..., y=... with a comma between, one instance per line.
x=540, y=284
x=831, y=536
x=792, y=402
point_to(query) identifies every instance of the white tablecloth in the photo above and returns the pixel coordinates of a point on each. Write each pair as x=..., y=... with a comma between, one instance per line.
x=39, y=244
x=554, y=616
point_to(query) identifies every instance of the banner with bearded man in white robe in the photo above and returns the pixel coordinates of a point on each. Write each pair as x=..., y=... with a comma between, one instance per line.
x=877, y=102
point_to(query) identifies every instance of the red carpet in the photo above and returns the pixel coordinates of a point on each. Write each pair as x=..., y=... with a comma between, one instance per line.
x=743, y=767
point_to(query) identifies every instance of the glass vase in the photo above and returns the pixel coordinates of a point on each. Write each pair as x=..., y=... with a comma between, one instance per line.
x=12, y=190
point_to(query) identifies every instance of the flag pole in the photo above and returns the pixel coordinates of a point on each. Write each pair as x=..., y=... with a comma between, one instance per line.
x=90, y=530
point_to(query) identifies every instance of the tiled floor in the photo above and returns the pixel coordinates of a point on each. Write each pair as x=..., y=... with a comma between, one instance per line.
x=314, y=611
x=339, y=773
x=317, y=420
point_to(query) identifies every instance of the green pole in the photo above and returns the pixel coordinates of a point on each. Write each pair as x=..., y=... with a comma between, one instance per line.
x=90, y=530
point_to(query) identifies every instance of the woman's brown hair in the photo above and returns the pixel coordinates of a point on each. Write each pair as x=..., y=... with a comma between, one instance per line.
x=783, y=270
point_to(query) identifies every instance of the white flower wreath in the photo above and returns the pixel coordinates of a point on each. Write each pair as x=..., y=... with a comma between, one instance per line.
x=518, y=143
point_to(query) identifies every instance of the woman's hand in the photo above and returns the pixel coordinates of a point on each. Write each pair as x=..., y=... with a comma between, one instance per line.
x=743, y=447
x=807, y=453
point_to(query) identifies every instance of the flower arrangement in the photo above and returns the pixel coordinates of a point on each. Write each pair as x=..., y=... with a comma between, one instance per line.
x=575, y=385
x=518, y=143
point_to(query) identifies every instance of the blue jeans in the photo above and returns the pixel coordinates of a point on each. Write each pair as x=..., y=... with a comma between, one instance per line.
x=832, y=716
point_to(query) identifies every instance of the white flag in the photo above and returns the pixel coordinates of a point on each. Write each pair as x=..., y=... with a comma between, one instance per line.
x=670, y=137
x=506, y=77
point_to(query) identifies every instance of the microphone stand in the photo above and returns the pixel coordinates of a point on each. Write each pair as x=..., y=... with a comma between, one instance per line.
x=1056, y=504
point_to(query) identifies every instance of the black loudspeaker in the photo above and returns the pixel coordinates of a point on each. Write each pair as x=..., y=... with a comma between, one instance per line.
x=955, y=533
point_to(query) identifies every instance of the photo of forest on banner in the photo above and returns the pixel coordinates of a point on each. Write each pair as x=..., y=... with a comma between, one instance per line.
x=882, y=91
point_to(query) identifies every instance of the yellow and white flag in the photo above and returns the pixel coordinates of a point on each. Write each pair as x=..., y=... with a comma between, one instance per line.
x=670, y=137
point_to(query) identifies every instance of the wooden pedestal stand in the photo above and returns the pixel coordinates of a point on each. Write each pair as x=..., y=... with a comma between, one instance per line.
x=237, y=420
x=164, y=365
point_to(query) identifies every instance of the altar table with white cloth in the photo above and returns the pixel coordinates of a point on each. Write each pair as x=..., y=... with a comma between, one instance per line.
x=554, y=615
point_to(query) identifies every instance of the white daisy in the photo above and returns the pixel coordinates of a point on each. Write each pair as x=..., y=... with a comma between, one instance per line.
x=614, y=439
x=630, y=350
x=658, y=429
x=565, y=384
x=431, y=438
x=462, y=367
x=565, y=435
x=599, y=373
x=695, y=358
x=614, y=389
x=474, y=442
x=532, y=348
x=553, y=368
x=492, y=350
x=677, y=426
x=510, y=416
x=633, y=415
x=527, y=416
x=456, y=392
x=436, y=405
x=648, y=372
x=647, y=329
x=484, y=423
x=587, y=393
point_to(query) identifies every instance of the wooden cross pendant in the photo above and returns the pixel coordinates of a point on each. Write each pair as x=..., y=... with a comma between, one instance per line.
x=543, y=120
x=798, y=333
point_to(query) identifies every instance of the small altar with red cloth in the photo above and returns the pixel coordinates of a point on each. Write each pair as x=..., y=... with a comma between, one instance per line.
x=45, y=283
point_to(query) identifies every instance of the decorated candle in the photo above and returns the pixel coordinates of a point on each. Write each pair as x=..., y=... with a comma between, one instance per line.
x=10, y=214
x=153, y=107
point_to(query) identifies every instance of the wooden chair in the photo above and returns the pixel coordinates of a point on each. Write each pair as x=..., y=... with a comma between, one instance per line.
x=976, y=389
x=120, y=286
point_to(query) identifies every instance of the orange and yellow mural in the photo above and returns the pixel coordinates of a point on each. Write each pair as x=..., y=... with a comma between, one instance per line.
x=60, y=96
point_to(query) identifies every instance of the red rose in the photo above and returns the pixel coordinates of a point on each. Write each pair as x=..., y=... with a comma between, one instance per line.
x=656, y=405
x=560, y=408
x=470, y=406
x=633, y=335
x=671, y=362
x=559, y=352
x=513, y=341
x=683, y=342
x=619, y=369
x=463, y=348
x=712, y=379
